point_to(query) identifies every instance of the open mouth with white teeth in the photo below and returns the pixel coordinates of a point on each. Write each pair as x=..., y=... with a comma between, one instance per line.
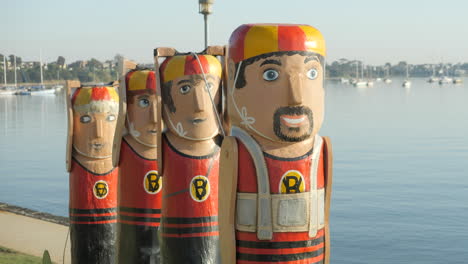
x=293, y=120
x=153, y=131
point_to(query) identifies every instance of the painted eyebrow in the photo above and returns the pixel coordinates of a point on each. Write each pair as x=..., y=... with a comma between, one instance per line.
x=275, y=62
x=311, y=58
x=185, y=81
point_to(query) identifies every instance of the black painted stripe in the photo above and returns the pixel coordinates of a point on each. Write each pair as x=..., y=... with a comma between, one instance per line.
x=93, y=211
x=279, y=258
x=215, y=151
x=135, y=152
x=92, y=218
x=279, y=245
x=189, y=220
x=140, y=219
x=139, y=210
x=189, y=230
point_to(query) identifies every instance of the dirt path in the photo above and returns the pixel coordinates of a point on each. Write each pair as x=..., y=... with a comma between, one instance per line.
x=33, y=236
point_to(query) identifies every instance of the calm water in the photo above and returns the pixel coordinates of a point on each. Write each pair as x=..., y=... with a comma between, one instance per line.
x=400, y=191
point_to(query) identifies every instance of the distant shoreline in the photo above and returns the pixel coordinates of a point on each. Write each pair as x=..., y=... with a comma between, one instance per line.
x=61, y=220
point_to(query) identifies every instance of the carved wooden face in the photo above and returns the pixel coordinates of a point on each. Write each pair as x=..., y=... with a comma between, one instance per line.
x=282, y=98
x=188, y=111
x=142, y=119
x=93, y=133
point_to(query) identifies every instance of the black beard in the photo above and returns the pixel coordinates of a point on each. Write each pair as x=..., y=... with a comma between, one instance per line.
x=292, y=110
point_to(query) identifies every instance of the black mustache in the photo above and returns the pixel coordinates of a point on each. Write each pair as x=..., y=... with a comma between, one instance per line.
x=292, y=110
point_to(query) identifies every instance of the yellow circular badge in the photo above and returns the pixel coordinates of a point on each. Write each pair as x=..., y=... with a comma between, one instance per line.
x=292, y=182
x=152, y=183
x=101, y=189
x=199, y=188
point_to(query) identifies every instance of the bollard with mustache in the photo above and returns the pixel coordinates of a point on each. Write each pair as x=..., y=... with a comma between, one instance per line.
x=275, y=170
x=92, y=116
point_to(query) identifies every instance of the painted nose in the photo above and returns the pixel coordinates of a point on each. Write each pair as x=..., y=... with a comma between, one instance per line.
x=199, y=99
x=295, y=90
x=99, y=129
x=153, y=112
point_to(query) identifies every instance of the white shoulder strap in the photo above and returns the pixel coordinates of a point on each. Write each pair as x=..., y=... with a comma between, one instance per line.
x=314, y=193
x=264, y=225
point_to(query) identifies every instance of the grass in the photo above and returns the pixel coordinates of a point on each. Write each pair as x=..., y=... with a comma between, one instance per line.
x=9, y=256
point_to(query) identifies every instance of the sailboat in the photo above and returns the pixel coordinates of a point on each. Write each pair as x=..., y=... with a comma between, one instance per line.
x=41, y=90
x=445, y=79
x=407, y=82
x=359, y=81
x=433, y=77
x=7, y=90
x=387, y=76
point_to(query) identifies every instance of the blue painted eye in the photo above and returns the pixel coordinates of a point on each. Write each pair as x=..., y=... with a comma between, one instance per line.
x=143, y=102
x=270, y=75
x=85, y=119
x=312, y=74
x=185, y=89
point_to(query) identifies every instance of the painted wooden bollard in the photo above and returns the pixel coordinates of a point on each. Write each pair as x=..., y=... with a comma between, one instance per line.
x=92, y=115
x=275, y=169
x=139, y=181
x=189, y=162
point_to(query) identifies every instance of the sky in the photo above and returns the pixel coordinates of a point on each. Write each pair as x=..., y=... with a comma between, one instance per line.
x=373, y=31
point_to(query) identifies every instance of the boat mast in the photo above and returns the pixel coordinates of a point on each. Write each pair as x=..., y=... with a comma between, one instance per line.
x=4, y=70
x=357, y=70
x=16, y=83
x=40, y=65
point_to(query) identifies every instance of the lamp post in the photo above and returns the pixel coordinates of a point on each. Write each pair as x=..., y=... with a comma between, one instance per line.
x=204, y=7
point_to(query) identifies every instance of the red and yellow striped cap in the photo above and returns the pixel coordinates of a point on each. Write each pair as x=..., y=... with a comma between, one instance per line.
x=177, y=66
x=95, y=99
x=140, y=80
x=251, y=40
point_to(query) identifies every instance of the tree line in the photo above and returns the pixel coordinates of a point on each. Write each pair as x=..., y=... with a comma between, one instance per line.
x=93, y=70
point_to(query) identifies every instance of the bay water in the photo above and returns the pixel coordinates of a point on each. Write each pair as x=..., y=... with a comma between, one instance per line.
x=400, y=185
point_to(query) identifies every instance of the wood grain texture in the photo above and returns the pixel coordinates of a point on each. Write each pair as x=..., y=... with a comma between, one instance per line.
x=125, y=67
x=227, y=199
x=328, y=165
x=68, y=155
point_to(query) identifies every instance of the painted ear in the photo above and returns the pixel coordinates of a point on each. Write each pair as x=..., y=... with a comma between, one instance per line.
x=231, y=72
x=124, y=67
x=68, y=154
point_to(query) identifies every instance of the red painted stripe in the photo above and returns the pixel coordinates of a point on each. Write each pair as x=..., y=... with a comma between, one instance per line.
x=127, y=79
x=97, y=215
x=282, y=250
x=100, y=94
x=151, y=81
x=91, y=223
x=214, y=233
x=192, y=66
x=301, y=261
x=138, y=223
x=291, y=38
x=140, y=214
x=192, y=225
x=280, y=236
x=237, y=43
x=75, y=95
